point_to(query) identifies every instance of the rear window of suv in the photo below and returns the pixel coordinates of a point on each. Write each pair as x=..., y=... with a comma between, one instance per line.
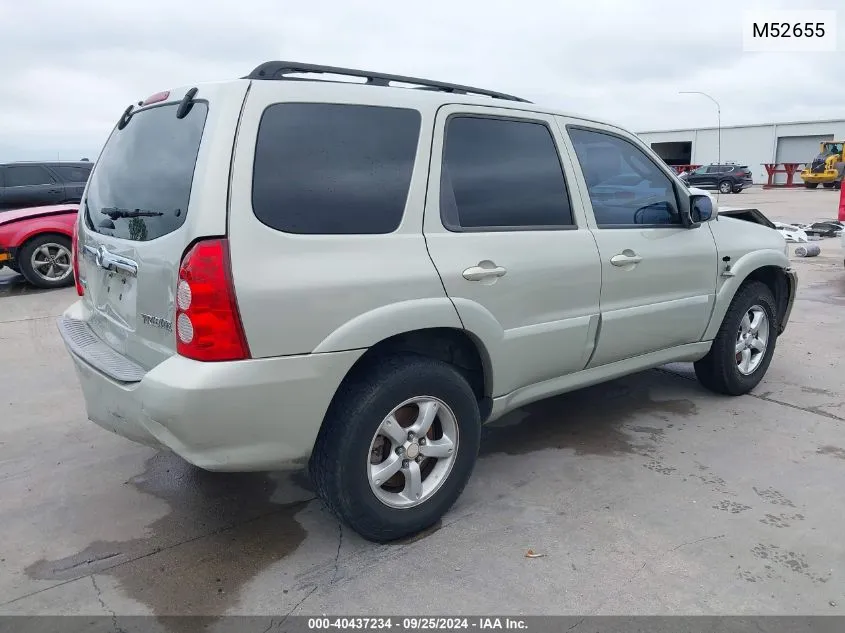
x=141, y=184
x=333, y=168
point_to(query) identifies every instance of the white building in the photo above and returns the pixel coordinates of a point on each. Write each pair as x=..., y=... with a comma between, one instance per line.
x=752, y=145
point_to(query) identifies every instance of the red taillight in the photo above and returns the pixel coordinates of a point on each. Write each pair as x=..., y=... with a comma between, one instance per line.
x=74, y=249
x=842, y=203
x=156, y=98
x=208, y=325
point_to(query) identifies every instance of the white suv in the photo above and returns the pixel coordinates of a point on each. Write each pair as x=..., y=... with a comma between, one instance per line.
x=278, y=271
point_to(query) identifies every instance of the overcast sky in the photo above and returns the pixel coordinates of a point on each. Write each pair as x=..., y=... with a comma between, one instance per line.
x=69, y=68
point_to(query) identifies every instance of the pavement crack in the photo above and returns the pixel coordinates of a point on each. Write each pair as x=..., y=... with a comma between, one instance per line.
x=700, y=540
x=86, y=562
x=22, y=319
x=337, y=555
x=105, y=607
x=817, y=409
x=297, y=605
x=646, y=563
x=766, y=397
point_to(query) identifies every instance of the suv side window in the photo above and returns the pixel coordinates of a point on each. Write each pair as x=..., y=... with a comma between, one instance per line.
x=626, y=187
x=72, y=173
x=715, y=169
x=501, y=174
x=27, y=175
x=334, y=169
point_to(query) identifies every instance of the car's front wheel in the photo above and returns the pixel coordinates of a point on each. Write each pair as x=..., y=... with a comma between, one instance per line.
x=811, y=185
x=743, y=347
x=397, y=447
x=46, y=261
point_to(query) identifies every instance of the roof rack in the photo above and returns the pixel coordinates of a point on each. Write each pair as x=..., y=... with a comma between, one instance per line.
x=281, y=70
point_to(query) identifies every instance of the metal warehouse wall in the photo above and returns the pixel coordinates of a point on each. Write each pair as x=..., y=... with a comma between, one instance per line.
x=749, y=145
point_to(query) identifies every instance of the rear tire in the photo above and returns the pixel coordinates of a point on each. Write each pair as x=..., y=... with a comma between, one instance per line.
x=53, y=249
x=811, y=185
x=725, y=186
x=828, y=185
x=724, y=370
x=353, y=444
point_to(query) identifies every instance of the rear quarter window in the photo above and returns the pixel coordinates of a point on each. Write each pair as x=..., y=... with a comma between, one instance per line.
x=333, y=168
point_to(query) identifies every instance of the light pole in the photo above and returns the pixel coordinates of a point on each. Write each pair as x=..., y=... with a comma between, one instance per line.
x=718, y=120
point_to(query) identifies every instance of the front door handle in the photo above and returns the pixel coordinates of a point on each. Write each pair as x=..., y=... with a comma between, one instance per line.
x=626, y=258
x=482, y=272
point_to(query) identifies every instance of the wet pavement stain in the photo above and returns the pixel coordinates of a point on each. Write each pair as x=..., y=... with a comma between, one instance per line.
x=731, y=506
x=14, y=285
x=833, y=451
x=792, y=561
x=659, y=467
x=590, y=421
x=831, y=292
x=223, y=529
x=781, y=520
x=773, y=496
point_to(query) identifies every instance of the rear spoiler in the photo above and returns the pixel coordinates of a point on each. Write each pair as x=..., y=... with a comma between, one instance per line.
x=749, y=215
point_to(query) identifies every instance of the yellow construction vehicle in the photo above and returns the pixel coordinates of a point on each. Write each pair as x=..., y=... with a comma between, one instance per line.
x=827, y=168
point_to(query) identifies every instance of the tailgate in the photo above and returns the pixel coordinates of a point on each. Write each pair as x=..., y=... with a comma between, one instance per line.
x=142, y=209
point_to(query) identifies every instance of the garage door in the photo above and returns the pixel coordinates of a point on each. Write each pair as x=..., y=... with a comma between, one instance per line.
x=798, y=149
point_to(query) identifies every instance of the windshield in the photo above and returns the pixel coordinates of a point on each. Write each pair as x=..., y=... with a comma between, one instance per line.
x=141, y=185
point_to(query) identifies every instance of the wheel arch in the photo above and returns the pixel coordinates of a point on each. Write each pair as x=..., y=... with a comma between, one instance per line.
x=452, y=345
x=36, y=234
x=765, y=266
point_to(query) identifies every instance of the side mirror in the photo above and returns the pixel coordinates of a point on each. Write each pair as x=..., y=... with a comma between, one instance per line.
x=701, y=208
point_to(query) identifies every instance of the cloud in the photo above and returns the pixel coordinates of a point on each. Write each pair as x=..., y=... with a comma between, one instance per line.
x=70, y=68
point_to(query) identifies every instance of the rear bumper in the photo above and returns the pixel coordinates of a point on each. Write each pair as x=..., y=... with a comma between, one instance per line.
x=261, y=414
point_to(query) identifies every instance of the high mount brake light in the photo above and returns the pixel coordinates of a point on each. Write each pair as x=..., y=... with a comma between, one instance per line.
x=156, y=98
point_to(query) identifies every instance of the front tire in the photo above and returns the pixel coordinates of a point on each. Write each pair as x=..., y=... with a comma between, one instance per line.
x=397, y=446
x=828, y=185
x=811, y=185
x=46, y=262
x=744, y=346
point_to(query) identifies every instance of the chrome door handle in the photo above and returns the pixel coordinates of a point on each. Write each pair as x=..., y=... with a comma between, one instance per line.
x=479, y=273
x=625, y=259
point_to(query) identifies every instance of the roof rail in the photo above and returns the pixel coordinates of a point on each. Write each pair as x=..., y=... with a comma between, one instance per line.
x=281, y=70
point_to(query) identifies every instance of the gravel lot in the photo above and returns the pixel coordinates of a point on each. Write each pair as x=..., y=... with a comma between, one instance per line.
x=647, y=495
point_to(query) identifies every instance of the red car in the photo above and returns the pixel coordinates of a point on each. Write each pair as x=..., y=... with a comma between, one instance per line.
x=36, y=242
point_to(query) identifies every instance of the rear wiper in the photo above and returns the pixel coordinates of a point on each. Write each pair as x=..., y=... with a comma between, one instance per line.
x=114, y=213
